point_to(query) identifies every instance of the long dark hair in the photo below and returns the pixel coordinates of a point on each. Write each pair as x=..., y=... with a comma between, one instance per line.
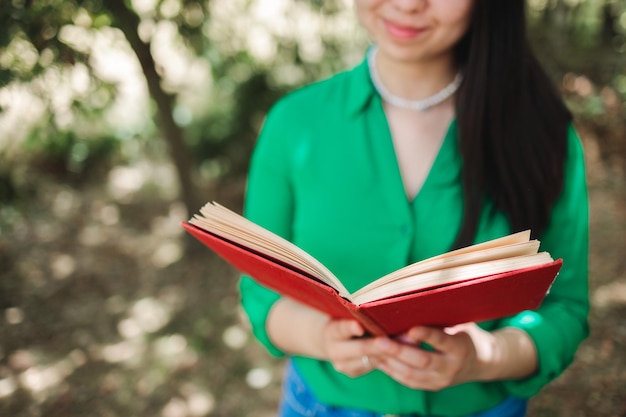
x=511, y=120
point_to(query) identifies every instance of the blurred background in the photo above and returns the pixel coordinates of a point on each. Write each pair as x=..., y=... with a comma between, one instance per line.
x=119, y=118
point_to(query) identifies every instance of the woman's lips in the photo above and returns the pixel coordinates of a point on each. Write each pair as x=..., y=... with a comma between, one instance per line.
x=402, y=32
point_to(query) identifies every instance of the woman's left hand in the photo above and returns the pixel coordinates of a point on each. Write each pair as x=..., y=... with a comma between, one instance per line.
x=461, y=353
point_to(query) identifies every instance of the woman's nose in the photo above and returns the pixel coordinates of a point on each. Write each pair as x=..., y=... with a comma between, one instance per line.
x=410, y=6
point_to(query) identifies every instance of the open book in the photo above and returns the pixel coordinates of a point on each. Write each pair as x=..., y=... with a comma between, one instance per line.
x=480, y=282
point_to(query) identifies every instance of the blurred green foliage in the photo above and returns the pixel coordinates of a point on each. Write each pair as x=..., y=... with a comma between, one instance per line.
x=214, y=116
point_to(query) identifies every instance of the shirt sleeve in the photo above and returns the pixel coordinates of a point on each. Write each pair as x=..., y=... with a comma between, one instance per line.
x=268, y=203
x=561, y=323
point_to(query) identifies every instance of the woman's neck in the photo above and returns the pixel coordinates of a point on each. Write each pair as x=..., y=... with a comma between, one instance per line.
x=415, y=80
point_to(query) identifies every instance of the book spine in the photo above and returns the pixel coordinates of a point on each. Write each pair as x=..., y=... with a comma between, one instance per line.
x=370, y=325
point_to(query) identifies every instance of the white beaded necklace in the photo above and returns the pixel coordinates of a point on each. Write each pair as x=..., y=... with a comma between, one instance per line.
x=419, y=105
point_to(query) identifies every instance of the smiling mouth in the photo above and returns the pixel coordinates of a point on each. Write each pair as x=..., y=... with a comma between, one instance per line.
x=403, y=32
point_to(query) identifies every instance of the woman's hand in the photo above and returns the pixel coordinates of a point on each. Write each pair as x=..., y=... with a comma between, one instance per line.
x=455, y=359
x=344, y=348
x=301, y=330
x=461, y=354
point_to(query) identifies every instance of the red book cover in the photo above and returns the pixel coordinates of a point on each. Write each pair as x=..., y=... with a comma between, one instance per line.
x=478, y=299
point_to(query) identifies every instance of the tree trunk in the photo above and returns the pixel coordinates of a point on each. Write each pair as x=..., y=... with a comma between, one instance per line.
x=128, y=21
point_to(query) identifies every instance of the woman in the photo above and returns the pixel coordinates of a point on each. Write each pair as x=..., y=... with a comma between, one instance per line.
x=449, y=133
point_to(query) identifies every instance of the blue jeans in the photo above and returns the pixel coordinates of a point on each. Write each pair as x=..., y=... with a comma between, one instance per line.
x=298, y=401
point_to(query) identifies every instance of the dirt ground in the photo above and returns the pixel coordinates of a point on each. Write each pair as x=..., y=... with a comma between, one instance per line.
x=105, y=313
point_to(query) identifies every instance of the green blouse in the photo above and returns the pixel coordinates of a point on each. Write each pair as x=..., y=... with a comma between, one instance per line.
x=325, y=176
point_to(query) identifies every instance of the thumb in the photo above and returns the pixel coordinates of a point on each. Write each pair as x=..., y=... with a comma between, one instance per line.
x=345, y=329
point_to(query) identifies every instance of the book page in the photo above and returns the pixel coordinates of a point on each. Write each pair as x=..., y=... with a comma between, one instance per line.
x=519, y=237
x=223, y=222
x=451, y=275
x=488, y=251
x=459, y=264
